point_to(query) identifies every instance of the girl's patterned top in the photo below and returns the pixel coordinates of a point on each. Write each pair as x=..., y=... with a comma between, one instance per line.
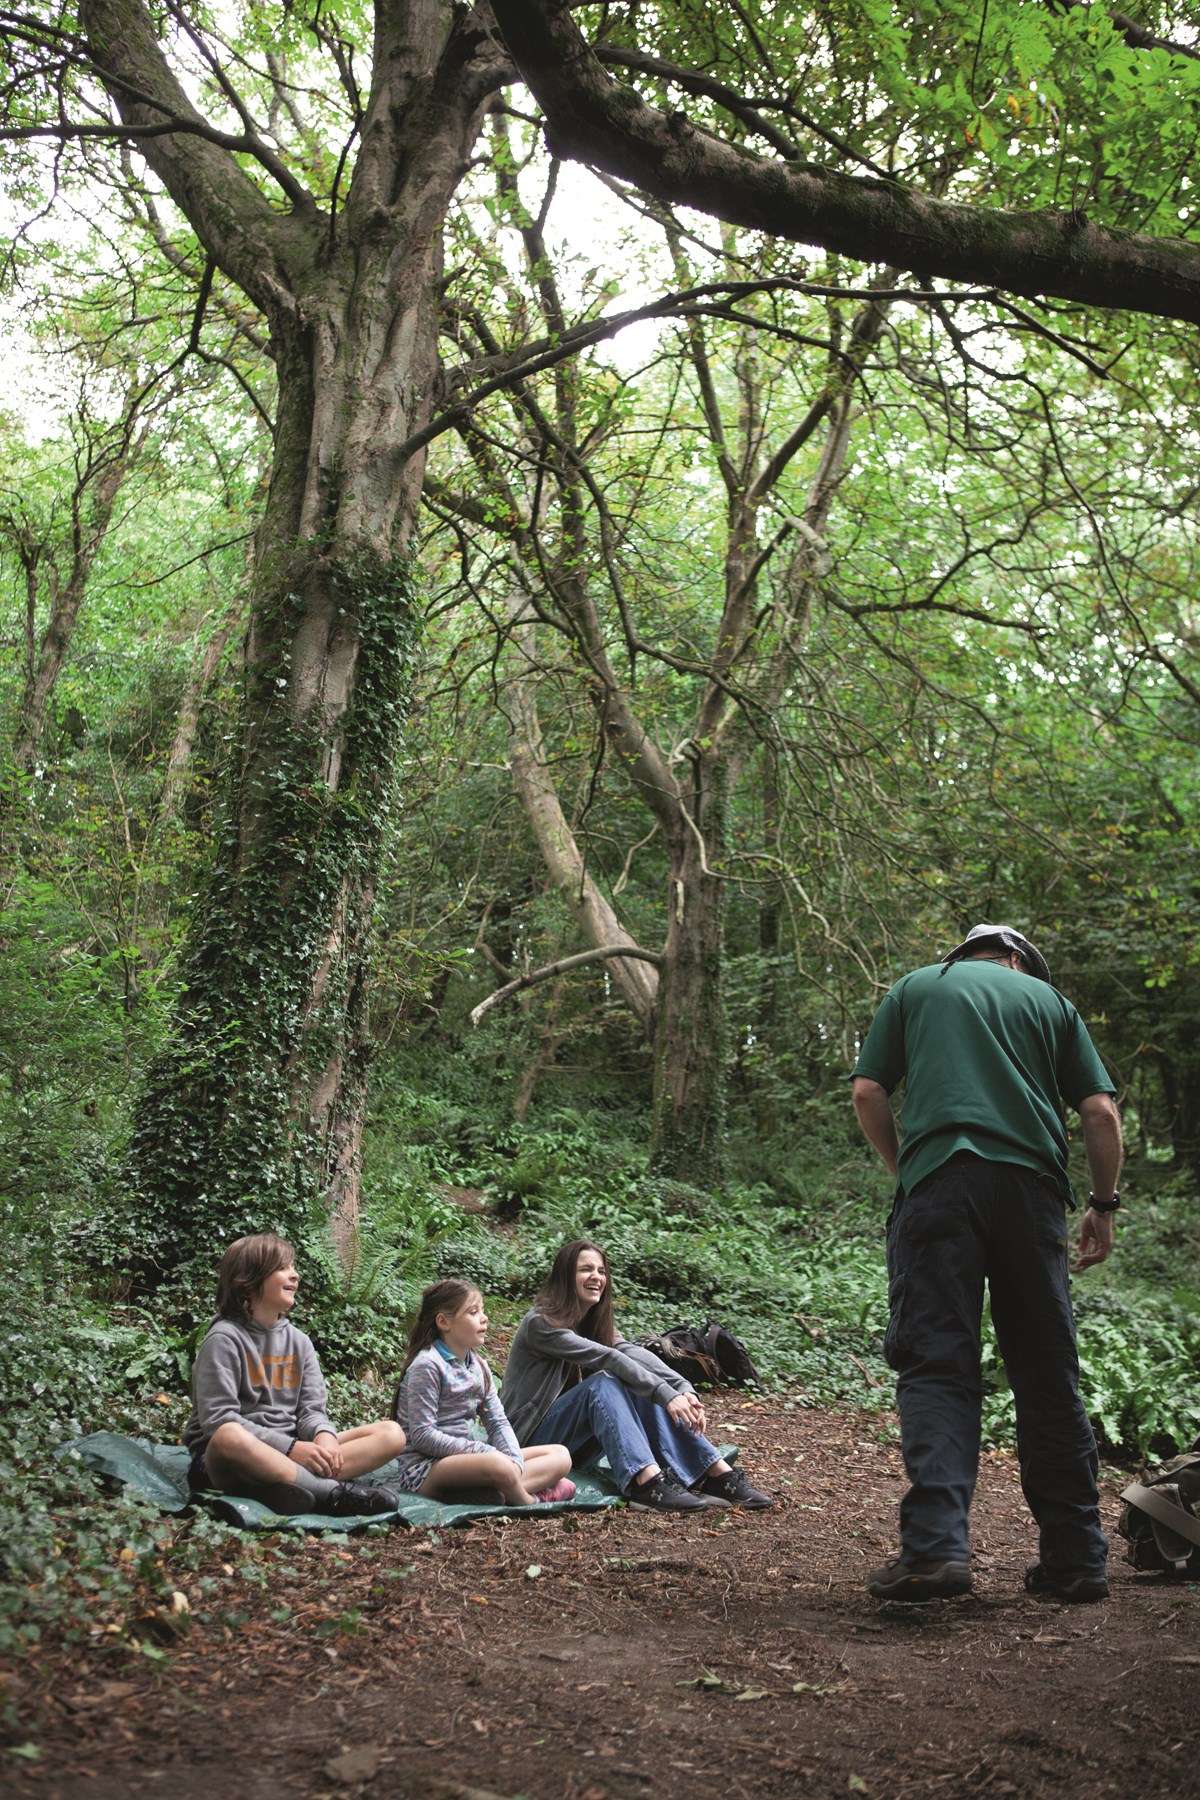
x=441, y=1396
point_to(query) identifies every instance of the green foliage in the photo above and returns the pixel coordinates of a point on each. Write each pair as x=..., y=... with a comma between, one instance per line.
x=397, y=1239
x=1138, y=1352
x=989, y=708
x=76, y=1561
x=357, y=1310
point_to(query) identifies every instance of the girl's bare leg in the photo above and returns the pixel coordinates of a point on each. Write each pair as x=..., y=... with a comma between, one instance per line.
x=545, y=1464
x=491, y=1468
x=234, y=1456
x=368, y=1447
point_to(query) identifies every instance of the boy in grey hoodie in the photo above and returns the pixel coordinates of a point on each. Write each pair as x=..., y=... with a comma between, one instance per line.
x=259, y=1425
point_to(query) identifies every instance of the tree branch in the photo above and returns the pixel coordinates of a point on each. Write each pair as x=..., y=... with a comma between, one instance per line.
x=592, y=119
x=560, y=968
x=516, y=366
x=235, y=223
x=746, y=112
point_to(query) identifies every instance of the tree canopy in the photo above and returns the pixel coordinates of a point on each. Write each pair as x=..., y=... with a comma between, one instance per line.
x=1055, y=112
x=771, y=627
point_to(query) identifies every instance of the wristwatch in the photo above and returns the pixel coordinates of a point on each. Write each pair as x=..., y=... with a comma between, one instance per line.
x=1104, y=1206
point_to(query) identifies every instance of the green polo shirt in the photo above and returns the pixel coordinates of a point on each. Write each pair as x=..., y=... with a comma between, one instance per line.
x=987, y=1055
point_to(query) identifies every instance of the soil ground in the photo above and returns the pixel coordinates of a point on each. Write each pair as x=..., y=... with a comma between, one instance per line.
x=628, y=1656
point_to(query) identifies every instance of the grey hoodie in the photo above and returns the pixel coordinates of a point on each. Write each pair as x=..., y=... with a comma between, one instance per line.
x=545, y=1357
x=265, y=1377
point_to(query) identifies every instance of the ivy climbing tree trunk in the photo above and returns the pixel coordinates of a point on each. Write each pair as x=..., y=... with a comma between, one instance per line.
x=254, y=1113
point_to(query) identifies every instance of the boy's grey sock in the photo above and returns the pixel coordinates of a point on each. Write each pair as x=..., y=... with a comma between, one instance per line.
x=319, y=1486
x=308, y=1493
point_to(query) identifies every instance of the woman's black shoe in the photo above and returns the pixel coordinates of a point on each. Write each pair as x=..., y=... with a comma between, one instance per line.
x=663, y=1494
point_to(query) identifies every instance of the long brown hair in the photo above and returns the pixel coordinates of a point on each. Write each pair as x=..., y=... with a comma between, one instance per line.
x=448, y=1296
x=559, y=1302
x=244, y=1267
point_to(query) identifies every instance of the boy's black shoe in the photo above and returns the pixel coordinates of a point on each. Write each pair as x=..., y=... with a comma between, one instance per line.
x=920, y=1580
x=352, y=1498
x=662, y=1493
x=1060, y=1584
x=732, y=1488
x=285, y=1498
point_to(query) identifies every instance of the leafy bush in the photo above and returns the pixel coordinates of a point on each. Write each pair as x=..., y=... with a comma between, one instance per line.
x=1138, y=1356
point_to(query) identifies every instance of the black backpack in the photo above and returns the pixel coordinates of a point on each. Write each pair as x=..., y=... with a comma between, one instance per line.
x=1160, y=1519
x=709, y=1357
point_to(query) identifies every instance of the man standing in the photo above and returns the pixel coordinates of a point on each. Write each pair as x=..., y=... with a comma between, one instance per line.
x=988, y=1051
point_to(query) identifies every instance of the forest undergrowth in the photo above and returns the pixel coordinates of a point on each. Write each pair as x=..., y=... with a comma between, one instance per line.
x=794, y=1266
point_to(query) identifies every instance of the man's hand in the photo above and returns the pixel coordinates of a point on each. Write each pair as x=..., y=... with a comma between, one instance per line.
x=687, y=1410
x=1095, y=1240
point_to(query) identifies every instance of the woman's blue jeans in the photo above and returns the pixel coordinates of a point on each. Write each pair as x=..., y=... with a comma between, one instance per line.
x=969, y=1221
x=602, y=1417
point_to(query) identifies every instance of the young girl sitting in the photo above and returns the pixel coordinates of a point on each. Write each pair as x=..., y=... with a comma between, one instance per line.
x=259, y=1426
x=445, y=1385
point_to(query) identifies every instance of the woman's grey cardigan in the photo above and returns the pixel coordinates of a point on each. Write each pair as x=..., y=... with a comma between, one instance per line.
x=543, y=1356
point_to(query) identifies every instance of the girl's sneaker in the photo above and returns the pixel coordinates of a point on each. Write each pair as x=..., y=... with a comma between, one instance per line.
x=562, y=1490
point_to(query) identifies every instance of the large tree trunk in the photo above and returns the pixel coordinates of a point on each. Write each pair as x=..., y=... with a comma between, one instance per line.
x=689, y=1051
x=256, y=1108
x=253, y=1116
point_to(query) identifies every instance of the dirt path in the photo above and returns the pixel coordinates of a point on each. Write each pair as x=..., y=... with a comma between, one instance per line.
x=621, y=1656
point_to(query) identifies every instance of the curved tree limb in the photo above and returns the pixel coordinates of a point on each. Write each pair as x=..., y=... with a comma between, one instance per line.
x=560, y=968
x=565, y=864
x=593, y=119
x=251, y=242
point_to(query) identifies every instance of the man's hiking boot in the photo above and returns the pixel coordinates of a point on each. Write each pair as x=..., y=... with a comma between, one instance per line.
x=662, y=1493
x=920, y=1580
x=351, y=1499
x=1060, y=1584
x=732, y=1488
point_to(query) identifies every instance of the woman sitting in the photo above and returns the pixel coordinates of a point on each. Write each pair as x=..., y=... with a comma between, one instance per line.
x=570, y=1379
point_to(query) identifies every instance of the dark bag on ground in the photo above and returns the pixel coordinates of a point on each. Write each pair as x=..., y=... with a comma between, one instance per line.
x=709, y=1356
x=1160, y=1519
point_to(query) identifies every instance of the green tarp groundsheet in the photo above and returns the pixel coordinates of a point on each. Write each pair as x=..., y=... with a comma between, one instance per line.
x=159, y=1473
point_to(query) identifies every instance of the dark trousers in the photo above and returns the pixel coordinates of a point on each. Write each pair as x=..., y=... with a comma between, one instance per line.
x=968, y=1221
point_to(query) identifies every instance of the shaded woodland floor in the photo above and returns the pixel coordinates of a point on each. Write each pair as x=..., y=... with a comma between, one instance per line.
x=623, y=1656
